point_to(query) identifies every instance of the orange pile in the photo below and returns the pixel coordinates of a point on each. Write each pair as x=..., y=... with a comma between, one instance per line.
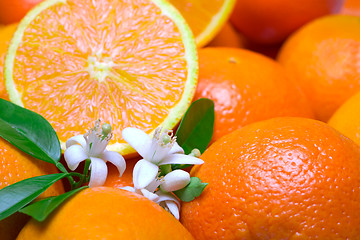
x=246, y=87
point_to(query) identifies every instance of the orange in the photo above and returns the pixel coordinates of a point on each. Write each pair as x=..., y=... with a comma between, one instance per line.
x=228, y=37
x=107, y=213
x=323, y=58
x=351, y=7
x=283, y=178
x=205, y=17
x=128, y=63
x=113, y=179
x=14, y=167
x=346, y=119
x=270, y=22
x=14, y=10
x=246, y=87
x=6, y=33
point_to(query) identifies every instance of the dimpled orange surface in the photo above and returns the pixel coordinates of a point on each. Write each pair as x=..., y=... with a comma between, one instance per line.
x=107, y=213
x=246, y=87
x=284, y=178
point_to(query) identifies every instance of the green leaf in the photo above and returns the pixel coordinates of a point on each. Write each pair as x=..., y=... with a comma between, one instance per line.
x=41, y=210
x=16, y=196
x=192, y=190
x=29, y=132
x=197, y=126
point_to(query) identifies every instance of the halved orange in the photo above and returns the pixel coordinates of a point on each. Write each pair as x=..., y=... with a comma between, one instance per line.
x=205, y=17
x=126, y=62
x=6, y=33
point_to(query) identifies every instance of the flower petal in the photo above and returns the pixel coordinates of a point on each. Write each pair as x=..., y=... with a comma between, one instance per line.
x=149, y=195
x=166, y=197
x=173, y=208
x=169, y=202
x=176, y=149
x=153, y=185
x=175, y=180
x=128, y=188
x=181, y=159
x=116, y=159
x=79, y=139
x=144, y=173
x=137, y=139
x=74, y=155
x=98, y=172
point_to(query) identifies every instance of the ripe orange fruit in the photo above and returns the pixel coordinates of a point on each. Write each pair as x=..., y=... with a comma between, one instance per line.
x=6, y=33
x=246, y=87
x=128, y=63
x=351, y=7
x=270, y=22
x=228, y=37
x=283, y=178
x=113, y=179
x=346, y=119
x=14, y=167
x=323, y=58
x=107, y=213
x=205, y=17
x=14, y=10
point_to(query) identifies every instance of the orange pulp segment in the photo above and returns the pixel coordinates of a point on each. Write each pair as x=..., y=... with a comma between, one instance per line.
x=131, y=63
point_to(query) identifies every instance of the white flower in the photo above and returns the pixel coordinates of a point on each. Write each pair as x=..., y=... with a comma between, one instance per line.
x=92, y=145
x=159, y=150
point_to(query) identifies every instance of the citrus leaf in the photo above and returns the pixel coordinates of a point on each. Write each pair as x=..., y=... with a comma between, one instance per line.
x=40, y=210
x=192, y=190
x=29, y=132
x=16, y=196
x=197, y=126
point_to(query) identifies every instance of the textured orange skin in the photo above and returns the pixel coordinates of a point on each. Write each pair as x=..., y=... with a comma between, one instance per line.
x=346, y=119
x=284, y=178
x=323, y=57
x=6, y=33
x=246, y=87
x=107, y=213
x=14, y=167
x=270, y=22
x=14, y=10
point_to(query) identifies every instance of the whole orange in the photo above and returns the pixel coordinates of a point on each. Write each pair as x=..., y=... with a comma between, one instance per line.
x=107, y=213
x=323, y=58
x=346, y=119
x=14, y=10
x=14, y=167
x=6, y=33
x=283, y=178
x=270, y=22
x=246, y=87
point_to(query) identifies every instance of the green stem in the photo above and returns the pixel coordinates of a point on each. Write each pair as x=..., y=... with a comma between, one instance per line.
x=63, y=169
